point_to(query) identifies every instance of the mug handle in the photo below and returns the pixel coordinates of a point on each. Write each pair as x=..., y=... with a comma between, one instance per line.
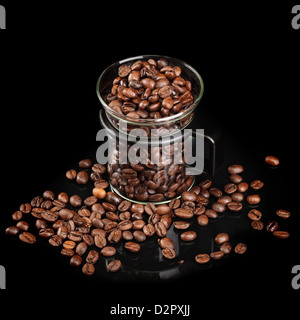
x=212, y=152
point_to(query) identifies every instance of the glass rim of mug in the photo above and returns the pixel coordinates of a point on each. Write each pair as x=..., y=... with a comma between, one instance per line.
x=149, y=121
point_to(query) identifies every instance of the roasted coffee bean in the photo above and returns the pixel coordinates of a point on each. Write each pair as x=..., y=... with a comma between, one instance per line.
x=88, y=239
x=188, y=236
x=92, y=257
x=148, y=230
x=75, y=260
x=240, y=248
x=124, y=71
x=202, y=258
x=75, y=236
x=188, y=196
x=138, y=224
x=124, y=206
x=257, y=225
x=235, y=169
x=253, y=199
x=160, y=229
x=166, y=243
x=162, y=209
x=114, y=266
x=63, y=232
x=69, y=244
x=100, y=241
x=25, y=208
x=17, y=215
x=174, y=204
x=23, y=225
x=215, y=192
x=71, y=174
x=27, y=237
x=46, y=233
x=67, y=252
x=235, y=178
x=184, y=213
x=75, y=200
x=139, y=236
x=230, y=188
x=137, y=208
x=125, y=225
x=12, y=231
x=40, y=224
x=84, y=212
x=218, y=207
x=226, y=248
x=85, y=163
x=66, y=214
x=132, y=246
x=110, y=225
x=237, y=197
x=203, y=220
x=211, y=213
x=49, y=216
x=127, y=235
x=224, y=199
x=36, y=212
x=36, y=201
x=235, y=206
x=82, y=177
x=272, y=161
x=221, y=238
x=49, y=195
x=254, y=215
x=113, y=198
x=47, y=204
x=272, y=226
x=89, y=201
x=181, y=225
x=205, y=184
x=256, y=184
x=103, y=184
x=281, y=234
x=81, y=248
x=202, y=199
x=63, y=197
x=88, y=269
x=168, y=253
x=217, y=255
x=166, y=220
x=200, y=209
x=284, y=214
x=115, y=236
x=242, y=187
x=109, y=207
x=108, y=251
x=55, y=240
x=94, y=176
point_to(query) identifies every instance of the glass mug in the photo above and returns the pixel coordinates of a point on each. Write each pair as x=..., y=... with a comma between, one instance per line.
x=162, y=174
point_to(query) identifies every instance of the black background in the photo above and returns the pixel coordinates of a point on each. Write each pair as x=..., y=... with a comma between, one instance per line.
x=51, y=57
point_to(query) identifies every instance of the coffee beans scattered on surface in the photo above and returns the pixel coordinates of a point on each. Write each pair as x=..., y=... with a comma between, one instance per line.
x=87, y=229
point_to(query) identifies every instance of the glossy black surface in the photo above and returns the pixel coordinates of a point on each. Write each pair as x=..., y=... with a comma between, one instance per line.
x=248, y=56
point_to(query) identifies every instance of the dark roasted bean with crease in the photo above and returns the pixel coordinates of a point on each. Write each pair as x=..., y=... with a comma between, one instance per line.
x=114, y=266
x=168, y=253
x=281, y=234
x=88, y=269
x=272, y=226
x=284, y=214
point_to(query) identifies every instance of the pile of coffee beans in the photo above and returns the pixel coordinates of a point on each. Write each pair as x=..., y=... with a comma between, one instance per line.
x=155, y=181
x=86, y=229
x=149, y=90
